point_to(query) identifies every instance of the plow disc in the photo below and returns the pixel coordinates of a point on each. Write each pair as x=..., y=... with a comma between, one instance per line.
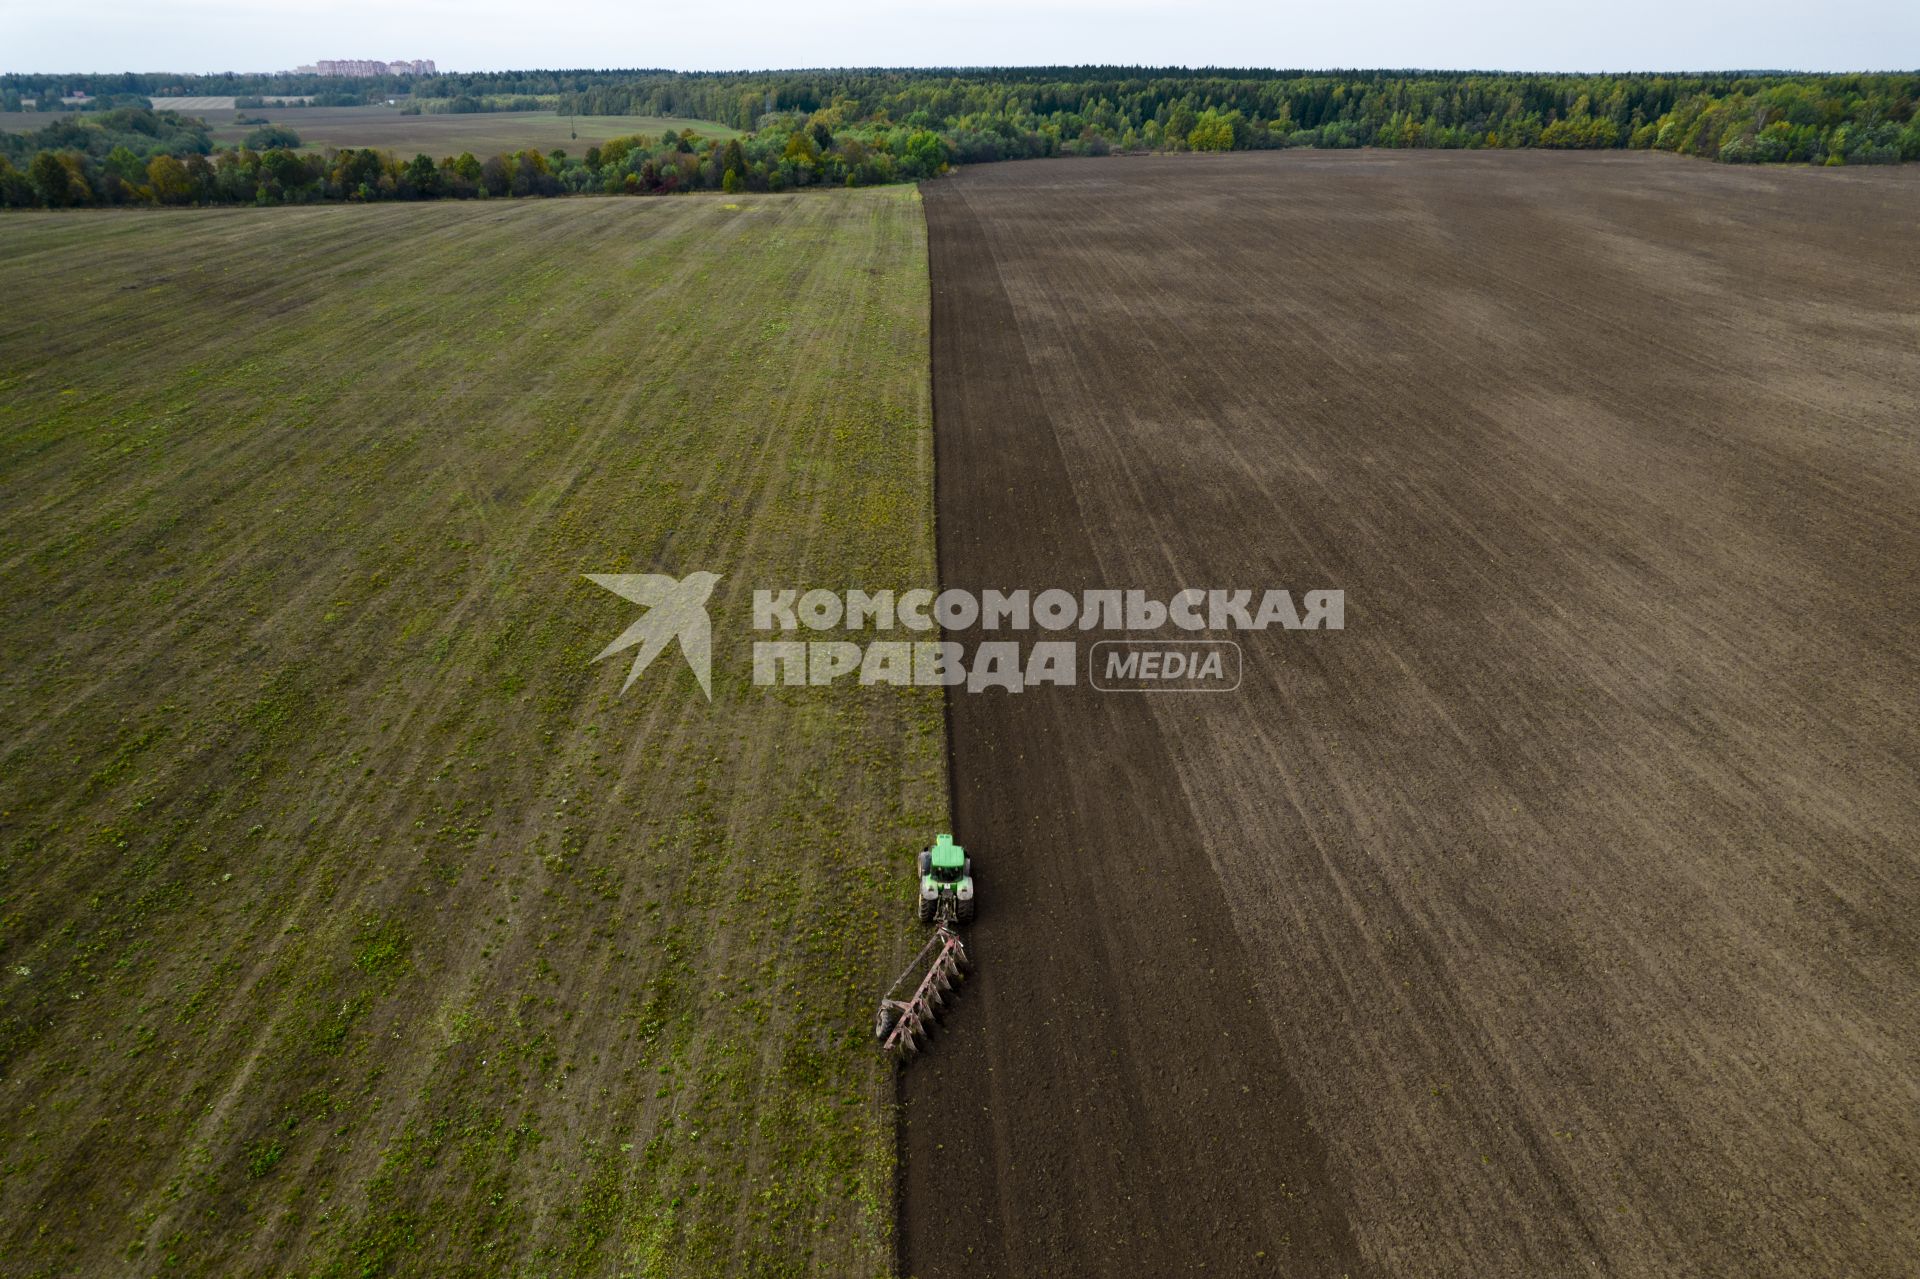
x=904, y=1025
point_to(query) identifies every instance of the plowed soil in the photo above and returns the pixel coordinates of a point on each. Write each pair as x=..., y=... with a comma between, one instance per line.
x=1560, y=914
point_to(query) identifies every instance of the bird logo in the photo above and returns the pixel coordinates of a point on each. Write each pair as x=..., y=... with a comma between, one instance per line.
x=676, y=610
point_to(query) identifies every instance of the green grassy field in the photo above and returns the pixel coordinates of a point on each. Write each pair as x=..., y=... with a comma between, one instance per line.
x=352, y=921
x=491, y=133
x=385, y=129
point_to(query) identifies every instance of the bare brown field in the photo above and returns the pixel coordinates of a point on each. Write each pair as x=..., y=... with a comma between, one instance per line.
x=1560, y=914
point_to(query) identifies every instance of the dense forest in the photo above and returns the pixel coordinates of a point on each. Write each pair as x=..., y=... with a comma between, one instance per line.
x=1057, y=110
x=807, y=128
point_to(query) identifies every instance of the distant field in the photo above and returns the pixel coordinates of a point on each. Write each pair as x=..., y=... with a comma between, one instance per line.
x=385, y=129
x=352, y=920
x=194, y=105
x=484, y=134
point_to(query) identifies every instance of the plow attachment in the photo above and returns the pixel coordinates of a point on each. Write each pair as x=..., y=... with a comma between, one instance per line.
x=903, y=1025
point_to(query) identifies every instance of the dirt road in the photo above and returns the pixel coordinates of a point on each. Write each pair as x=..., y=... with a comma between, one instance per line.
x=1559, y=914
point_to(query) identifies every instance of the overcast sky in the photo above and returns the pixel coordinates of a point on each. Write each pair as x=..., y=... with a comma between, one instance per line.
x=463, y=35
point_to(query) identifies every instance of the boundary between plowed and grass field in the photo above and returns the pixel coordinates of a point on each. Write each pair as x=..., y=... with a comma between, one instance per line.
x=901, y=1149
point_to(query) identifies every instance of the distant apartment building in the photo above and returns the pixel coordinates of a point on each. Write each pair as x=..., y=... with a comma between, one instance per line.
x=365, y=67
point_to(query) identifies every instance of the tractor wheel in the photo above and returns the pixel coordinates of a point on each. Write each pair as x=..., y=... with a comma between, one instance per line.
x=966, y=867
x=965, y=914
x=924, y=908
x=926, y=861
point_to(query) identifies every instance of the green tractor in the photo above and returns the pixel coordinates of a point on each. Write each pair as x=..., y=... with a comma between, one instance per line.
x=903, y=1024
x=946, y=883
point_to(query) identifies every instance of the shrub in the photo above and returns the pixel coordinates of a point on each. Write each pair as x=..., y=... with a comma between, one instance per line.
x=270, y=136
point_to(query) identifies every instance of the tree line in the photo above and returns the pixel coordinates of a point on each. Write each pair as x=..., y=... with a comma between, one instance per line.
x=136, y=156
x=854, y=128
x=1017, y=113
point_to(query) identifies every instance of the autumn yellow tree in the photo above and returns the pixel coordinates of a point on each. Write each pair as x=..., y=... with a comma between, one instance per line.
x=167, y=180
x=1213, y=131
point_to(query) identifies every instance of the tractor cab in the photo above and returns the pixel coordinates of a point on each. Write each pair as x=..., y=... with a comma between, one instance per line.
x=946, y=860
x=946, y=881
